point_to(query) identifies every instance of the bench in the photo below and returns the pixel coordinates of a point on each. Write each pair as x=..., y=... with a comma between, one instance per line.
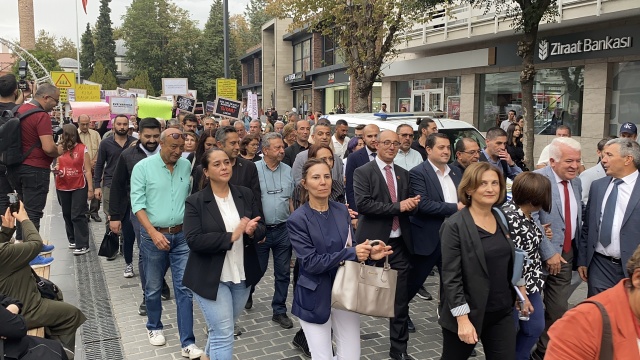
x=43, y=272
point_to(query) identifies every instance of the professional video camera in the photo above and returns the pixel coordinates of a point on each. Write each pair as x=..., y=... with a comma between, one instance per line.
x=22, y=73
x=57, y=129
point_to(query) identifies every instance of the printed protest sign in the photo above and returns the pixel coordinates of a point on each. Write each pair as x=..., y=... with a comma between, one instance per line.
x=226, y=107
x=185, y=104
x=175, y=86
x=199, y=109
x=97, y=111
x=123, y=105
x=227, y=88
x=211, y=105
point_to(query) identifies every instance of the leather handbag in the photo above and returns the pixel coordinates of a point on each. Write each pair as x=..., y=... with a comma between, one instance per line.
x=365, y=289
x=110, y=245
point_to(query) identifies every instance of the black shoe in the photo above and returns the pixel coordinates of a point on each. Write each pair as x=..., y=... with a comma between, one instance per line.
x=424, y=294
x=283, y=320
x=142, y=310
x=249, y=303
x=166, y=292
x=96, y=217
x=410, y=327
x=473, y=353
x=399, y=356
x=237, y=331
x=300, y=341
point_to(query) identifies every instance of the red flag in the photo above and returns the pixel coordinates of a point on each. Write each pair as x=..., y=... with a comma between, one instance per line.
x=84, y=5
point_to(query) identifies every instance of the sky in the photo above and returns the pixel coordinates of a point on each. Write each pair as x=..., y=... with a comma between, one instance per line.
x=58, y=16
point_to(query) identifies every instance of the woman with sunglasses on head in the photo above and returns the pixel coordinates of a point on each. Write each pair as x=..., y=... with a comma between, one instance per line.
x=222, y=225
x=321, y=236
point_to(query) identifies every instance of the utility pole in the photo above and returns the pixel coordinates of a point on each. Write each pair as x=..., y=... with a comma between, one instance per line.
x=225, y=24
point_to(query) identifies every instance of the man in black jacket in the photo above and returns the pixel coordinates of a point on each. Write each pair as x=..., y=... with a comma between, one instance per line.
x=120, y=204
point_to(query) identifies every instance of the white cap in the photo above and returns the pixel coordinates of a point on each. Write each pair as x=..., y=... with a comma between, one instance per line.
x=294, y=110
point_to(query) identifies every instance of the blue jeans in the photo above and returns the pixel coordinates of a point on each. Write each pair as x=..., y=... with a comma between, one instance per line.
x=220, y=315
x=155, y=262
x=529, y=331
x=278, y=242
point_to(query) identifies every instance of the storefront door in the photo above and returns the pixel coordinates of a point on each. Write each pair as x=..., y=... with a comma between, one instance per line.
x=427, y=100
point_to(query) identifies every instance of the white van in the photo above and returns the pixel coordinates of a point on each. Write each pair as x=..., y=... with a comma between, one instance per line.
x=454, y=129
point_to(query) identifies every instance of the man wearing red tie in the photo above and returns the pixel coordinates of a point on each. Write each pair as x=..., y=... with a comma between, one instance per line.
x=381, y=192
x=565, y=219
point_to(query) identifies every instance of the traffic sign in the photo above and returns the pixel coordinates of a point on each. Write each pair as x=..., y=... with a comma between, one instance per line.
x=63, y=79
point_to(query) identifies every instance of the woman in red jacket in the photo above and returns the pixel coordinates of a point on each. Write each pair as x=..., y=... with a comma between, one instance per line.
x=74, y=187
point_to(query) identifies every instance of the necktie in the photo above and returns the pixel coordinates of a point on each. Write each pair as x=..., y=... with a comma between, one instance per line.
x=373, y=155
x=392, y=191
x=568, y=234
x=606, y=225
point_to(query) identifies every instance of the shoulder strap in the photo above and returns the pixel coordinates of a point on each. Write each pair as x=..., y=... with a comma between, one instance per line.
x=606, y=343
x=37, y=143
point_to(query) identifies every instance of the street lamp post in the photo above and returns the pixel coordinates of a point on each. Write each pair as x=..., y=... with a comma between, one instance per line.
x=225, y=24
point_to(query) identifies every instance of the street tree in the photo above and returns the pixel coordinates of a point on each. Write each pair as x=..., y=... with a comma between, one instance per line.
x=209, y=55
x=238, y=44
x=58, y=48
x=87, y=53
x=105, y=46
x=256, y=15
x=141, y=81
x=104, y=76
x=366, y=31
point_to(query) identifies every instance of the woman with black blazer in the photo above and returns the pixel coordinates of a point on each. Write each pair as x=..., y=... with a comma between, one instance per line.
x=222, y=225
x=321, y=235
x=477, y=266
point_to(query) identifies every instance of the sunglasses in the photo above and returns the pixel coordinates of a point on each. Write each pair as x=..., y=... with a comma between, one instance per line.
x=177, y=136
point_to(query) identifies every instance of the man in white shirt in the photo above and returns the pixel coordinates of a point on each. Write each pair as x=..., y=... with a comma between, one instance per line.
x=504, y=125
x=340, y=139
x=407, y=158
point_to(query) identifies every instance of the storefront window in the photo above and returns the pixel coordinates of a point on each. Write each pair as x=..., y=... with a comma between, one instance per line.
x=376, y=97
x=625, y=102
x=334, y=96
x=452, y=97
x=302, y=100
x=557, y=99
x=302, y=56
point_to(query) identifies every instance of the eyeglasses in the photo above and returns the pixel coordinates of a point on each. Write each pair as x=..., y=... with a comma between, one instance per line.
x=272, y=192
x=177, y=136
x=406, y=135
x=54, y=99
x=472, y=152
x=388, y=143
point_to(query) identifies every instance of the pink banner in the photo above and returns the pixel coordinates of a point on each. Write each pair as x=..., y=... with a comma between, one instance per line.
x=97, y=111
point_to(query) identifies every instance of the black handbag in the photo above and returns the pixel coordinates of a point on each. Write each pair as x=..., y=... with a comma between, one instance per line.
x=110, y=245
x=47, y=288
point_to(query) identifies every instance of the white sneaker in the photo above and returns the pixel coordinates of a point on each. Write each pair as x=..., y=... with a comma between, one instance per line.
x=192, y=352
x=128, y=271
x=156, y=338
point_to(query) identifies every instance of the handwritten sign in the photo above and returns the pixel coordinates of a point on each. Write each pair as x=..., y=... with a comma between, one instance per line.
x=85, y=92
x=123, y=105
x=185, y=104
x=227, y=88
x=175, y=86
x=97, y=111
x=226, y=107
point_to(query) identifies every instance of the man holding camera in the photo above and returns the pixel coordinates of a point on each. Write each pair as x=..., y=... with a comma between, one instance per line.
x=10, y=97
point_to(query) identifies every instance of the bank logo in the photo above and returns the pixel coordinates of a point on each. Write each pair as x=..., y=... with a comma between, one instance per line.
x=543, y=50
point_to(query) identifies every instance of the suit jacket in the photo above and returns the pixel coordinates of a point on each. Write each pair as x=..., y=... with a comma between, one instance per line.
x=465, y=278
x=432, y=210
x=556, y=216
x=375, y=208
x=209, y=240
x=355, y=160
x=319, y=257
x=291, y=152
x=629, y=233
x=577, y=334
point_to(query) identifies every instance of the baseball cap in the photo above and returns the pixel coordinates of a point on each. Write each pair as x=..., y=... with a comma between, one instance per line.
x=629, y=128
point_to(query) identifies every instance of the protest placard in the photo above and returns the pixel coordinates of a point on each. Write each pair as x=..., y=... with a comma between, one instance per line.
x=185, y=104
x=175, y=86
x=199, y=109
x=139, y=92
x=87, y=93
x=159, y=109
x=252, y=105
x=123, y=105
x=226, y=107
x=97, y=111
x=211, y=105
x=227, y=88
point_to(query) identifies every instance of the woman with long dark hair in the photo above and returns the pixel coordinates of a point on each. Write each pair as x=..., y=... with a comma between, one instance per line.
x=74, y=186
x=249, y=148
x=515, y=147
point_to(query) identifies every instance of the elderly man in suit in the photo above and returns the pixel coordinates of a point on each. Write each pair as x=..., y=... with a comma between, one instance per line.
x=382, y=196
x=359, y=158
x=610, y=232
x=435, y=182
x=565, y=220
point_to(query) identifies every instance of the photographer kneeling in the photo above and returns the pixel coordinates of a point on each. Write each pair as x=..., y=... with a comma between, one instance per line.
x=60, y=319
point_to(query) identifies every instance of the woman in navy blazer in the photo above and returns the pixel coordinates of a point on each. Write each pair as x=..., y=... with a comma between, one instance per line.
x=321, y=234
x=222, y=224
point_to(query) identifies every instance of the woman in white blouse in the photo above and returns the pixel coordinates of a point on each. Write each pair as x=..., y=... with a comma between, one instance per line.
x=222, y=225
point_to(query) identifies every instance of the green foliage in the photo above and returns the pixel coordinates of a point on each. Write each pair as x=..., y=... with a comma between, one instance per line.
x=210, y=54
x=141, y=81
x=105, y=46
x=161, y=40
x=87, y=53
x=58, y=48
x=47, y=59
x=256, y=15
x=104, y=76
x=238, y=45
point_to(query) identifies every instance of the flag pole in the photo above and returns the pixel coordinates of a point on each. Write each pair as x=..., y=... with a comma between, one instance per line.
x=78, y=42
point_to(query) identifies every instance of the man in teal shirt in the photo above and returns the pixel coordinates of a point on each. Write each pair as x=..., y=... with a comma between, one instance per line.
x=159, y=187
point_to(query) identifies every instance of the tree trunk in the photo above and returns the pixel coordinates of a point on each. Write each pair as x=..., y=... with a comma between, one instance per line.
x=527, y=76
x=362, y=91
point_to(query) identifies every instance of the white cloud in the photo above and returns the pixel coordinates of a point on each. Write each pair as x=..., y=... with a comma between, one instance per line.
x=59, y=17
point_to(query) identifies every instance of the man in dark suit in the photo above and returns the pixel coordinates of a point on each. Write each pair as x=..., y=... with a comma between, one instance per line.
x=565, y=221
x=303, y=130
x=382, y=194
x=467, y=152
x=359, y=158
x=496, y=153
x=435, y=182
x=610, y=233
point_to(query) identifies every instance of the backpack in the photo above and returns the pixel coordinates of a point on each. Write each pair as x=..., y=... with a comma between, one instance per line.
x=11, y=138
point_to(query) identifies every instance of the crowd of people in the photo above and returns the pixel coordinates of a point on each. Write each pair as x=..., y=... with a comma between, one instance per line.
x=222, y=196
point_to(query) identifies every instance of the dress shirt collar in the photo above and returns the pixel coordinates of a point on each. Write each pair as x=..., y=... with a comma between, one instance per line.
x=369, y=152
x=447, y=169
x=382, y=164
x=631, y=178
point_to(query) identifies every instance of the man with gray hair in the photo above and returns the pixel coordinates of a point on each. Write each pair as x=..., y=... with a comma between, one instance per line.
x=276, y=186
x=240, y=130
x=565, y=221
x=91, y=139
x=278, y=126
x=610, y=230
